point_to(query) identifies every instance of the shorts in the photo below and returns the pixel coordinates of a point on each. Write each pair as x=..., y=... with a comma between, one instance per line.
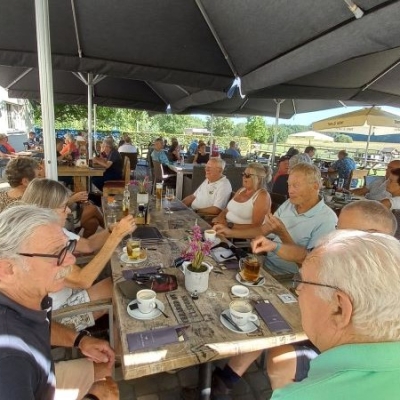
x=74, y=378
x=305, y=352
x=80, y=321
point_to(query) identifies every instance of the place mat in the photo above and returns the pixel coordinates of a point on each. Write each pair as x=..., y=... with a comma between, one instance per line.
x=130, y=273
x=184, y=309
x=175, y=206
x=156, y=337
x=147, y=232
x=272, y=318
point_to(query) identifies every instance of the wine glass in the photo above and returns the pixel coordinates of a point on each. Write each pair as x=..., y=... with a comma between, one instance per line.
x=169, y=196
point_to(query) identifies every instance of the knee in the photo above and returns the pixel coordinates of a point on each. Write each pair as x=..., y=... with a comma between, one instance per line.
x=281, y=365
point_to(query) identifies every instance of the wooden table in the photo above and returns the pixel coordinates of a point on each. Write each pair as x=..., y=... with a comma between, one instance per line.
x=186, y=169
x=79, y=174
x=208, y=339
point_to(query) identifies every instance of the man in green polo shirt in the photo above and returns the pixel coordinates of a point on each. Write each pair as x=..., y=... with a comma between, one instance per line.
x=348, y=290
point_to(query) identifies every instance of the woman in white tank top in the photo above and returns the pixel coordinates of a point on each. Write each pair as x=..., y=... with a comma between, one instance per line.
x=251, y=203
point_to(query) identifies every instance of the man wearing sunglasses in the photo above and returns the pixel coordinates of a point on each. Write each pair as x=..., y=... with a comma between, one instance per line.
x=35, y=258
x=290, y=363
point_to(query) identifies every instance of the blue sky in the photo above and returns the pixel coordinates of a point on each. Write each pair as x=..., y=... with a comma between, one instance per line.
x=309, y=118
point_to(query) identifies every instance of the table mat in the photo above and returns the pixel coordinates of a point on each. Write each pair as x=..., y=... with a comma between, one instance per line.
x=272, y=317
x=184, y=309
x=155, y=337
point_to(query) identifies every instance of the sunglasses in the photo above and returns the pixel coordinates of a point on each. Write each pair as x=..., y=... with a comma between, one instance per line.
x=69, y=248
x=247, y=176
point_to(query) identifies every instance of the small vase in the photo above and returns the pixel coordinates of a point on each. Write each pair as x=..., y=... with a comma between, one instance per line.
x=195, y=280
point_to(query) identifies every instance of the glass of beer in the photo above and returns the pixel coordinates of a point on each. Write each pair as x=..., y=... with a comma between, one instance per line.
x=133, y=248
x=250, y=267
x=159, y=190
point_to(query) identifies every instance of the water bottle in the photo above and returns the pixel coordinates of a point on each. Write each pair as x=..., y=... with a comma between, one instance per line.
x=111, y=212
x=182, y=161
x=126, y=201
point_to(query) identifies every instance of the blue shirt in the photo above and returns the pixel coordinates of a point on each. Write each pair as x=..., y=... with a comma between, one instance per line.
x=351, y=371
x=344, y=167
x=161, y=157
x=232, y=152
x=193, y=148
x=305, y=229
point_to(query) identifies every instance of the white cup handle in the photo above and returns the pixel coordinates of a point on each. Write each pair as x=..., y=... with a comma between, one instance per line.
x=252, y=318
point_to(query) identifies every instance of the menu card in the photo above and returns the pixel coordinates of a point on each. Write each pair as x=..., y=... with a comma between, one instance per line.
x=156, y=337
x=272, y=318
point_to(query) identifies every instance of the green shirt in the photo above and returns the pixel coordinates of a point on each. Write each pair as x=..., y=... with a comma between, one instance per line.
x=352, y=371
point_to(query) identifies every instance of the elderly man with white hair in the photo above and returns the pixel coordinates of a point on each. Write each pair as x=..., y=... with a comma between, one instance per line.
x=348, y=290
x=212, y=196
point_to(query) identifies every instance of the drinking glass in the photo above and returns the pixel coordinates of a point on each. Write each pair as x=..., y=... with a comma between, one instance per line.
x=169, y=196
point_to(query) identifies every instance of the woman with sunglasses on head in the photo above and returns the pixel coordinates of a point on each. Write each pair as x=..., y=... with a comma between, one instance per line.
x=251, y=203
x=47, y=193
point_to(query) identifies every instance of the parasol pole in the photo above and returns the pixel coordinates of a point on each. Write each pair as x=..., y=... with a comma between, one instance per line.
x=278, y=110
x=366, y=149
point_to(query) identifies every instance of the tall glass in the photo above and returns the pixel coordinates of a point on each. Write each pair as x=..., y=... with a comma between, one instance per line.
x=169, y=196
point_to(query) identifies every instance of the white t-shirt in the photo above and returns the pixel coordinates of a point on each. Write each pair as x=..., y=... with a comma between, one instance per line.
x=215, y=194
x=127, y=148
x=377, y=189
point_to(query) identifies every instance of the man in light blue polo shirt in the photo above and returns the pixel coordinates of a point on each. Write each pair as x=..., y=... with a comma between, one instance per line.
x=301, y=220
x=348, y=290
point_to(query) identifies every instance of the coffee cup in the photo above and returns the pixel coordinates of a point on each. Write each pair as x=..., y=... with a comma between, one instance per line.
x=210, y=234
x=133, y=248
x=146, y=300
x=250, y=268
x=328, y=198
x=241, y=312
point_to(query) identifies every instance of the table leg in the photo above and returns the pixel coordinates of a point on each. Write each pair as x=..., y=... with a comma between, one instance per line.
x=179, y=185
x=205, y=381
x=80, y=183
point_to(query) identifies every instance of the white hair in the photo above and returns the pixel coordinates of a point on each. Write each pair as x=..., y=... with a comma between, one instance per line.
x=365, y=266
x=221, y=163
x=17, y=225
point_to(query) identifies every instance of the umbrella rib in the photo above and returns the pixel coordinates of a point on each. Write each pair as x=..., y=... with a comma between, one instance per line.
x=216, y=37
x=78, y=43
x=19, y=78
x=156, y=92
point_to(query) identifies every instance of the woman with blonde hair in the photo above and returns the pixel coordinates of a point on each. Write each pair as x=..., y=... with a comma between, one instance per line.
x=46, y=193
x=251, y=203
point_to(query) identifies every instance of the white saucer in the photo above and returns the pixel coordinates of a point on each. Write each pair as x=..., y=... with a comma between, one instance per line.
x=151, y=315
x=240, y=291
x=125, y=259
x=248, y=328
x=245, y=283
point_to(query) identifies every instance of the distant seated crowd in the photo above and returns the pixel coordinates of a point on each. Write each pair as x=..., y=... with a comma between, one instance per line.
x=344, y=269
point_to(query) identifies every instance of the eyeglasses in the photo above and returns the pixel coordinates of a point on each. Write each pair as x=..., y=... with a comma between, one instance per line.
x=69, y=248
x=247, y=176
x=296, y=281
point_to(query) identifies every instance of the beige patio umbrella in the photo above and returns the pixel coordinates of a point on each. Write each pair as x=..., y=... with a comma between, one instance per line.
x=368, y=121
x=312, y=135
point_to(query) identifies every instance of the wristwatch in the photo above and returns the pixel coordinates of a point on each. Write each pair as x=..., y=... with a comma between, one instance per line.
x=230, y=225
x=80, y=336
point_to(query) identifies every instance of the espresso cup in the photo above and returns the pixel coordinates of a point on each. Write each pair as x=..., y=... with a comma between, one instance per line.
x=250, y=268
x=146, y=300
x=210, y=235
x=241, y=312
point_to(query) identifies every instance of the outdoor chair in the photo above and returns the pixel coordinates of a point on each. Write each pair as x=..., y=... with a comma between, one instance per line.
x=133, y=159
x=159, y=176
x=358, y=174
x=277, y=200
x=118, y=186
x=234, y=174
